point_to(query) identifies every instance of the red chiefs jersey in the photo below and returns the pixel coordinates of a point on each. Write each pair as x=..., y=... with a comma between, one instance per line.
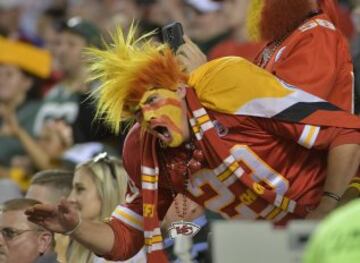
x=316, y=58
x=294, y=155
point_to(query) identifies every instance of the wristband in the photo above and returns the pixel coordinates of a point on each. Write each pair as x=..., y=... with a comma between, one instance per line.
x=332, y=195
x=68, y=233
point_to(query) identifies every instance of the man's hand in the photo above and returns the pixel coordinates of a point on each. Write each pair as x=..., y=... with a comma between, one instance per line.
x=190, y=56
x=325, y=206
x=10, y=126
x=61, y=218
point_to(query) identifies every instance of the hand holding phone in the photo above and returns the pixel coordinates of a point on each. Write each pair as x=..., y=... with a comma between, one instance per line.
x=173, y=35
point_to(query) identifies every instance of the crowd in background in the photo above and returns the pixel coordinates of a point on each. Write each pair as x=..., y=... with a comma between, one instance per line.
x=46, y=118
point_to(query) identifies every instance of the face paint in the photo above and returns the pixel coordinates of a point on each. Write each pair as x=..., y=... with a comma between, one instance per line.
x=164, y=116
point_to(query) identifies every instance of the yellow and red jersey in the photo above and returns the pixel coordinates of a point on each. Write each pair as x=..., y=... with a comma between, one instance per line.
x=287, y=158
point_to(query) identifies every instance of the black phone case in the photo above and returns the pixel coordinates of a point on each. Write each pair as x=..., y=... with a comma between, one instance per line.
x=173, y=35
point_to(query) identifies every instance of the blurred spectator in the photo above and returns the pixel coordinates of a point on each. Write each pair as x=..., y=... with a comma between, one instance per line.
x=68, y=99
x=51, y=186
x=9, y=190
x=10, y=12
x=355, y=50
x=207, y=23
x=238, y=43
x=337, y=238
x=295, y=32
x=93, y=11
x=20, y=68
x=66, y=115
x=84, y=151
x=346, y=25
x=25, y=242
x=121, y=13
x=63, y=100
x=99, y=185
x=46, y=150
x=46, y=27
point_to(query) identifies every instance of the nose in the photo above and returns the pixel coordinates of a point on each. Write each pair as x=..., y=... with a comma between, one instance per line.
x=2, y=239
x=72, y=198
x=148, y=116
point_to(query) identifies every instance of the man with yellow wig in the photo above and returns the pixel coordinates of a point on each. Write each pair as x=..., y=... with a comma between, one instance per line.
x=244, y=145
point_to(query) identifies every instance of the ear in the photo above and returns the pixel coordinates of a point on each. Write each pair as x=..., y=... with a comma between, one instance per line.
x=45, y=241
x=181, y=91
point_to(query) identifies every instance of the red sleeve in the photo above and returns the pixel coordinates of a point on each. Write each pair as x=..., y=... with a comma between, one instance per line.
x=128, y=241
x=310, y=136
x=317, y=60
x=127, y=220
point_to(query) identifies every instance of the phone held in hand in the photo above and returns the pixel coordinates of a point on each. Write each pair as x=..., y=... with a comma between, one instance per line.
x=173, y=35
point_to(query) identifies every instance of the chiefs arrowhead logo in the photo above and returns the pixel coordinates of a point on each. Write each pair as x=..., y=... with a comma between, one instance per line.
x=183, y=228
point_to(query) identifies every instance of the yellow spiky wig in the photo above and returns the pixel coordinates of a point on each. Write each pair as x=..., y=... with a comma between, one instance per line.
x=126, y=69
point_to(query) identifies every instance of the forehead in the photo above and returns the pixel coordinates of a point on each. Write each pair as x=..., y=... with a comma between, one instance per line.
x=16, y=219
x=42, y=193
x=83, y=176
x=160, y=92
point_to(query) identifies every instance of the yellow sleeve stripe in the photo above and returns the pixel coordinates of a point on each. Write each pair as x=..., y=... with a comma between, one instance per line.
x=128, y=218
x=308, y=136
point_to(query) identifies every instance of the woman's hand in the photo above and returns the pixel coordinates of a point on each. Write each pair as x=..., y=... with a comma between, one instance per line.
x=10, y=125
x=61, y=218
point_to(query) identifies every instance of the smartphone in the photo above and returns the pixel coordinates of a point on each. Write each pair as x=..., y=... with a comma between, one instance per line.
x=173, y=35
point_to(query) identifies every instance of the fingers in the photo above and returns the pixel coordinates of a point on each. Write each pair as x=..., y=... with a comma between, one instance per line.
x=67, y=212
x=190, y=55
x=41, y=209
x=36, y=219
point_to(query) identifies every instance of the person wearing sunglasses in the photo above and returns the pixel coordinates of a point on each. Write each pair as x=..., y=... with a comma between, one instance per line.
x=22, y=241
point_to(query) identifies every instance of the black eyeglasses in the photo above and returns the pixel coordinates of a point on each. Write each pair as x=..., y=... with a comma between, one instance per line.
x=10, y=233
x=104, y=157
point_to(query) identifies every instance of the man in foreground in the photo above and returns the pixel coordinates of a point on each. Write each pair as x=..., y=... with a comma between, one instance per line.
x=22, y=241
x=244, y=145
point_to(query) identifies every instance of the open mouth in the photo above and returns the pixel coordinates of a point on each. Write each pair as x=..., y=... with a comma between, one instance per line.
x=162, y=132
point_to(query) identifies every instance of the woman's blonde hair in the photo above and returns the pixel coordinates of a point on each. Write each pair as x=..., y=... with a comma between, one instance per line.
x=110, y=179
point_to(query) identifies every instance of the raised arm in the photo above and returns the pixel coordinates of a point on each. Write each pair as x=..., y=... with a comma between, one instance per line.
x=97, y=236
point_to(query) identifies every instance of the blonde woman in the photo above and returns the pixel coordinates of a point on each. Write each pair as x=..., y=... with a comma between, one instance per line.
x=99, y=185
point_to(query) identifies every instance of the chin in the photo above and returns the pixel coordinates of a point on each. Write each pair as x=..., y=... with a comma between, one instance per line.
x=176, y=141
x=174, y=144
